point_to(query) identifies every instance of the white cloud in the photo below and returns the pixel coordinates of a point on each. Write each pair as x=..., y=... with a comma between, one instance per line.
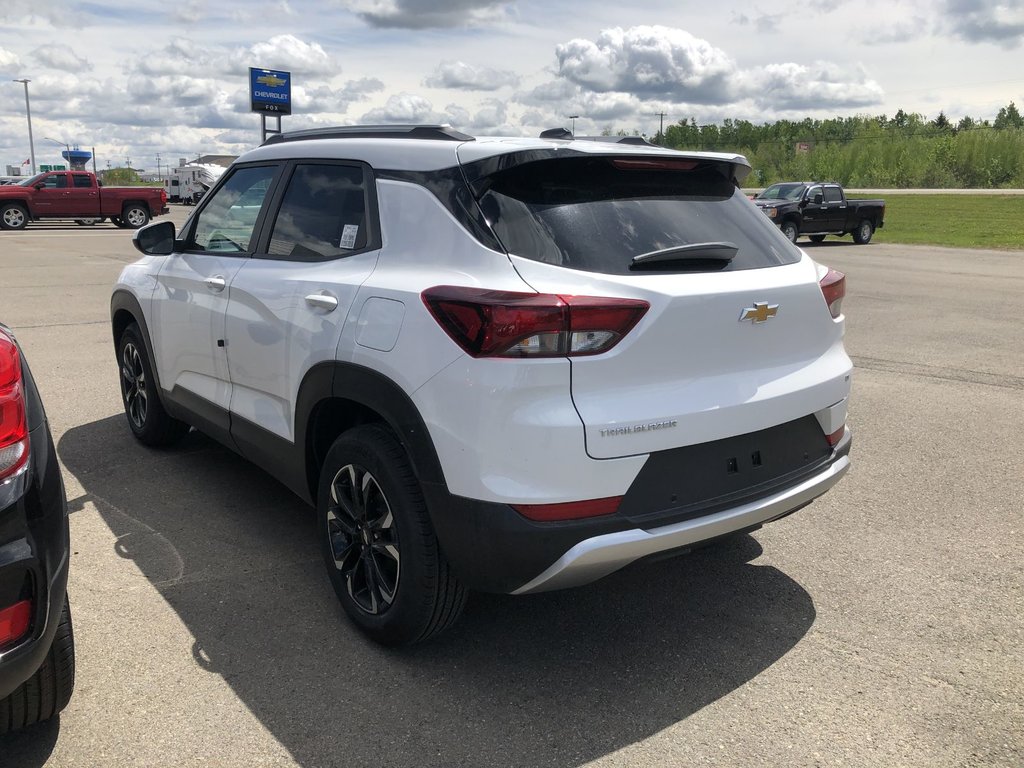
x=652, y=62
x=819, y=86
x=458, y=74
x=425, y=14
x=404, y=108
x=287, y=52
x=9, y=59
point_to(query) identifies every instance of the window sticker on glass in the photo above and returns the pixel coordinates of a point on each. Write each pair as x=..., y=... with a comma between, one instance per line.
x=348, y=236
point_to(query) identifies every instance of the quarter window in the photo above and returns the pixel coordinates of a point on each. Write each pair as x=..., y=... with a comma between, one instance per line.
x=227, y=222
x=322, y=215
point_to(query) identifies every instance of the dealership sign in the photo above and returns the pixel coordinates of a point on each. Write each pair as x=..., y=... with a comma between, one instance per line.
x=270, y=92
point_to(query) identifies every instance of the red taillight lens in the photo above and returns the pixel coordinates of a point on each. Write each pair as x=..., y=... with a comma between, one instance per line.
x=163, y=197
x=509, y=324
x=833, y=288
x=572, y=510
x=13, y=421
x=14, y=622
x=836, y=436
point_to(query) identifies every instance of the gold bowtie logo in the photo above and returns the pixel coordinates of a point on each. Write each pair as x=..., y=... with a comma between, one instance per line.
x=760, y=312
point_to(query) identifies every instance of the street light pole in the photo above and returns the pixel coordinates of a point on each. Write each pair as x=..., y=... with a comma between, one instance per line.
x=28, y=114
x=573, y=118
x=61, y=144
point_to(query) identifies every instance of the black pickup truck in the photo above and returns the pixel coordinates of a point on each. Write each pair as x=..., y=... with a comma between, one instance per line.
x=816, y=209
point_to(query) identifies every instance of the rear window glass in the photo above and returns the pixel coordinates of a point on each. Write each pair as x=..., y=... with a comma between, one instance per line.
x=596, y=213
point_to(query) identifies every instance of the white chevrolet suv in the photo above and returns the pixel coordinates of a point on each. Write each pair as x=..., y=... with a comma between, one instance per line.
x=508, y=365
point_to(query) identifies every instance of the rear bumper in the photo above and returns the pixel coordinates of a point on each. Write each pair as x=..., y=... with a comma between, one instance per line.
x=494, y=549
x=599, y=556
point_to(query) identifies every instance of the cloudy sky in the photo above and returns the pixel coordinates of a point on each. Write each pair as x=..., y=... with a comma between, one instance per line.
x=137, y=78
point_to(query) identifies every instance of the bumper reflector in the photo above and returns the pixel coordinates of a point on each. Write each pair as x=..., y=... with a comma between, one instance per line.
x=14, y=622
x=570, y=510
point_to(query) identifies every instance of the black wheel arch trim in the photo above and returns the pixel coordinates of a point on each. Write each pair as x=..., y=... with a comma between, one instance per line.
x=121, y=302
x=297, y=464
x=372, y=390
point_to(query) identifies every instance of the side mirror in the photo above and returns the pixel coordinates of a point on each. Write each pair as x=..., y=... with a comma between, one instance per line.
x=99, y=182
x=156, y=239
x=40, y=185
x=803, y=202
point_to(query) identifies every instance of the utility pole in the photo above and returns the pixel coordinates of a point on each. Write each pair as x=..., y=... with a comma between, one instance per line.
x=661, y=129
x=574, y=118
x=28, y=114
x=159, y=176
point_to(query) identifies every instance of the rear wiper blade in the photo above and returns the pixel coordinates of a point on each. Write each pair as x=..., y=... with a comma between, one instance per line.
x=720, y=252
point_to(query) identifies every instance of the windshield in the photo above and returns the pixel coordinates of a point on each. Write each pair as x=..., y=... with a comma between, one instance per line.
x=782, y=192
x=31, y=180
x=597, y=213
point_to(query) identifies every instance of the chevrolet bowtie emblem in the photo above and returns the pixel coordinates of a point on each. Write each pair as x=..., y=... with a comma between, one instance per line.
x=759, y=312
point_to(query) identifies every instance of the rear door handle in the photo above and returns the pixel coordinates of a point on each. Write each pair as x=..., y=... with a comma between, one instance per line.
x=217, y=283
x=322, y=301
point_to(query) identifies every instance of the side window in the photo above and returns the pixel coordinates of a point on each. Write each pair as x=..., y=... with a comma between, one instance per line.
x=56, y=181
x=322, y=215
x=81, y=181
x=814, y=195
x=226, y=223
x=833, y=195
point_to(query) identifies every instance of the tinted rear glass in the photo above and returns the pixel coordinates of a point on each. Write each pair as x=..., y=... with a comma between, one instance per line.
x=597, y=213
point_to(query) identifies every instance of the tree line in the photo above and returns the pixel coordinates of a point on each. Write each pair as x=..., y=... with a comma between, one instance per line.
x=904, y=151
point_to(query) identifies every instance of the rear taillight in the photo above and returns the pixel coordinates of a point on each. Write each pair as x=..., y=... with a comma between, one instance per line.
x=14, y=622
x=13, y=421
x=570, y=510
x=836, y=436
x=833, y=288
x=508, y=324
x=163, y=197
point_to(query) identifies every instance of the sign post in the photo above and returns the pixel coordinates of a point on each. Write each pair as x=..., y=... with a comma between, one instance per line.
x=270, y=93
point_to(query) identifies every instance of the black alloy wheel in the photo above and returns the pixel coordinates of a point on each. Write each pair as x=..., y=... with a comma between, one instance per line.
x=363, y=539
x=147, y=419
x=134, y=385
x=378, y=543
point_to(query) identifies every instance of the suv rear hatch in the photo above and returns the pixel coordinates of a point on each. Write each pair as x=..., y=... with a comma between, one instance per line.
x=738, y=337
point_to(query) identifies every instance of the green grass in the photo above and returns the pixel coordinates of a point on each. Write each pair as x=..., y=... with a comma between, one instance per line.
x=957, y=221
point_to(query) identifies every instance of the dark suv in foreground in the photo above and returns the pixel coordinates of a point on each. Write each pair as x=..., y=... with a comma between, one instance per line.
x=37, y=647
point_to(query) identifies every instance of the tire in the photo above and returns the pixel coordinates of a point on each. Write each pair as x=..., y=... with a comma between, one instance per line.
x=147, y=419
x=13, y=216
x=89, y=222
x=862, y=234
x=379, y=546
x=816, y=238
x=116, y=221
x=49, y=690
x=134, y=216
x=790, y=230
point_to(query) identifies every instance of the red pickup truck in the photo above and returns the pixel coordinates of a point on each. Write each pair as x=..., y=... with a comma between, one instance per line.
x=80, y=196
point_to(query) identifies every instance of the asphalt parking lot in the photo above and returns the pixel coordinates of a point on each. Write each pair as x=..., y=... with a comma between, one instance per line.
x=881, y=626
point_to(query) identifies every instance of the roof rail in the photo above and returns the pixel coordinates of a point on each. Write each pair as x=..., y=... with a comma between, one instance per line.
x=436, y=132
x=638, y=140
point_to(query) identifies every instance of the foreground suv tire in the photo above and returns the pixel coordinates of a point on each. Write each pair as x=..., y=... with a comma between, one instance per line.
x=147, y=419
x=378, y=543
x=48, y=691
